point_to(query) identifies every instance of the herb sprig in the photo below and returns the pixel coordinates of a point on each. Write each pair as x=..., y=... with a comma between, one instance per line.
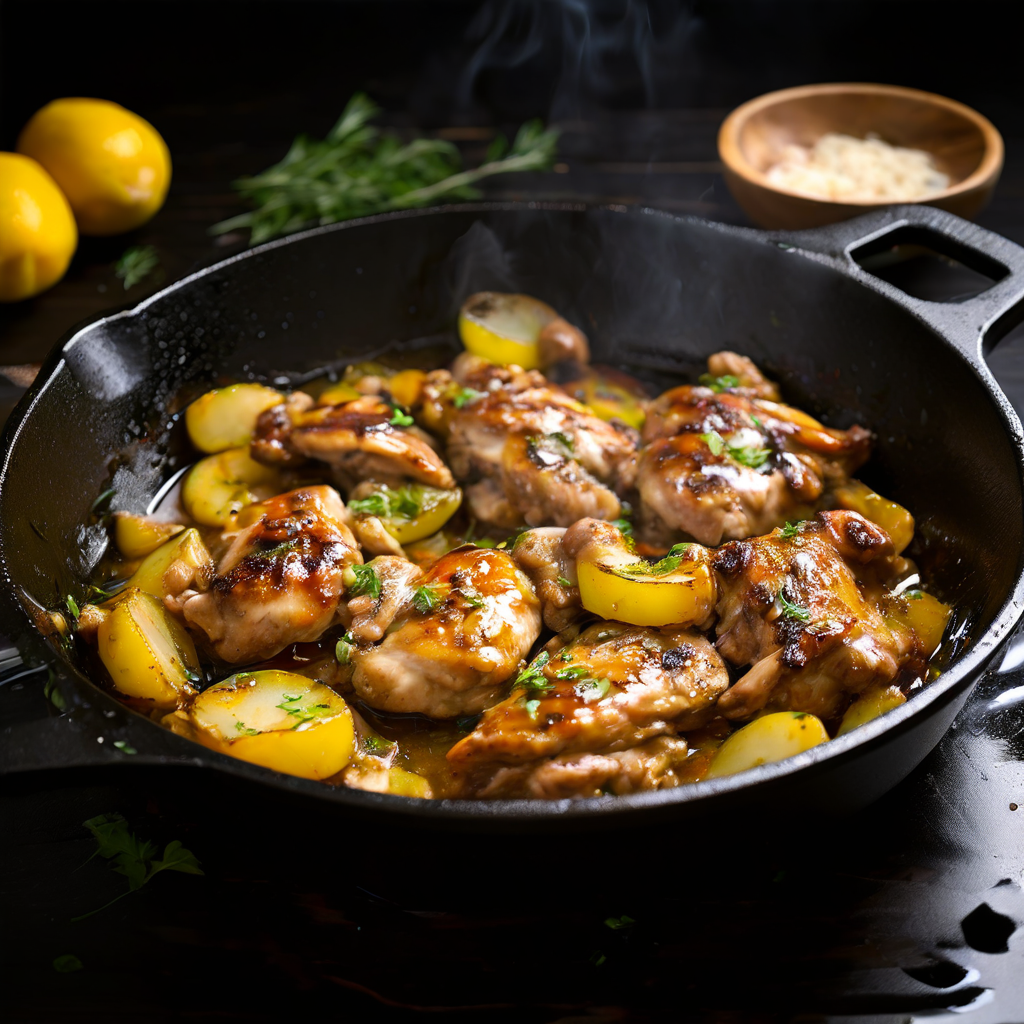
x=753, y=458
x=358, y=170
x=136, y=264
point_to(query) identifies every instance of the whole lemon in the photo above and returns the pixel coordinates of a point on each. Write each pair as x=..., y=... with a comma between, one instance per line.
x=37, y=229
x=112, y=165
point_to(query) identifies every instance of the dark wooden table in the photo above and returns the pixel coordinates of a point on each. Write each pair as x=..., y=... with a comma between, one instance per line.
x=905, y=910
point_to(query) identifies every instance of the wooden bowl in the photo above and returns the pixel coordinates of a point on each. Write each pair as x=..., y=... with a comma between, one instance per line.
x=963, y=144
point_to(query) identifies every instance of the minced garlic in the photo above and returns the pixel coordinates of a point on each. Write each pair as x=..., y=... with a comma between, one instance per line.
x=840, y=167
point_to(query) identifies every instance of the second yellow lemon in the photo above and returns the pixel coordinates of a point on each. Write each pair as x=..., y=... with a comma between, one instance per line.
x=111, y=164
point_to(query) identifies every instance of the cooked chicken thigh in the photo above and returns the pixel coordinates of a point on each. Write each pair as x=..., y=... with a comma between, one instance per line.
x=552, y=571
x=612, y=687
x=725, y=464
x=357, y=439
x=280, y=580
x=801, y=606
x=453, y=639
x=530, y=452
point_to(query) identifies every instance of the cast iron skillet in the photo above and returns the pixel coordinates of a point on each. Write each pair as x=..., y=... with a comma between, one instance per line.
x=654, y=292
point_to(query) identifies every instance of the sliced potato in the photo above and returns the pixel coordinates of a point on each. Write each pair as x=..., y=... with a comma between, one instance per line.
x=408, y=513
x=338, y=394
x=137, y=536
x=188, y=548
x=893, y=518
x=869, y=705
x=403, y=783
x=505, y=328
x=770, y=738
x=927, y=616
x=277, y=719
x=218, y=487
x=146, y=651
x=226, y=417
x=678, y=590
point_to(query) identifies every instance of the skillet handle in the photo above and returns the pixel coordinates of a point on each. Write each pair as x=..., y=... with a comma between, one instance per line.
x=974, y=325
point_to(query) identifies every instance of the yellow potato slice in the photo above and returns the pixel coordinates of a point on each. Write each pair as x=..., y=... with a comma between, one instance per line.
x=678, y=590
x=403, y=783
x=893, y=518
x=218, y=487
x=147, y=651
x=187, y=547
x=137, y=536
x=338, y=394
x=869, y=705
x=277, y=719
x=927, y=616
x=504, y=328
x=770, y=738
x=409, y=513
x=226, y=417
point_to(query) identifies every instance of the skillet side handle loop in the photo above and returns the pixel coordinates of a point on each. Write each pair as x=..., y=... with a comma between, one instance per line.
x=974, y=325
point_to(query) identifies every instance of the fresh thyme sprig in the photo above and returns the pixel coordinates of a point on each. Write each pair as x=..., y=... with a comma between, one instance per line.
x=358, y=170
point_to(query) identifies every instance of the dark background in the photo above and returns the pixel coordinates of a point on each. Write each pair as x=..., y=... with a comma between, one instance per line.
x=906, y=910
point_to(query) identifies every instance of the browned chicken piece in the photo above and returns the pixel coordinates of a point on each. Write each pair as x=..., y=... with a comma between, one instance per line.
x=611, y=688
x=372, y=614
x=801, y=606
x=357, y=439
x=652, y=765
x=540, y=554
x=724, y=464
x=529, y=453
x=747, y=373
x=280, y=580
x=449, y=649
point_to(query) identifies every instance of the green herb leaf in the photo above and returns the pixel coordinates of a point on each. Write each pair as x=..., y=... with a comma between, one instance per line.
x=532, y=677
x=67, y=963
x=364, y=581
x=597, y=958
x=378, y=746
x=590, y=691
x=374, y=505
x=719, y=384
x=466, y=395
x=913, y=594
x=793, y=611
x=136, y=264
x=245, y=730
x=101, y=501
x=401, y=419
x=714, y=440
x=564, y=582
x=618, y=923
x=790, y=530
x=531, y=708
x=390, y=503
x=358, y=170
x=753, y=458
x=125, y=747
x=343, y=650
x=291, y=706
x=427, y=599
x=72, y=606
x=471, y=597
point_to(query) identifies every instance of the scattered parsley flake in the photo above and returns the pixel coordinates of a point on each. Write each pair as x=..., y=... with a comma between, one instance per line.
x=427, y=599
x=378, y=746
x=793, y=611
x=719, y=384
x=466, y=395
x=532, y=677
x=714, y=440
x=72, y=607
x=374, y=505
x=343, y=649
x=245, y=730
x=364, y=581
x=125, y=747
x=590, y=691
x=567, y=583
x=401, y=419
x=790, y=530
x=751, y=457
x=389, y=503
x=136, y=264
x=531, y=708
x=913, y=594
x=472, y=598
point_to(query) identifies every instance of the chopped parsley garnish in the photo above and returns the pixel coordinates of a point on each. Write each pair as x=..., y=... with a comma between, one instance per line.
x=72, y=606
x=557, y=445
x=389, y=503
x=790, y=530
x=343, y=649
x=466, y=395
x=134, y=858
x=427, y=599
x=914, y=594
x=592, y=690
x=572, y=672
x=754, y=458
x=563, y=582
x=719, y=384
x=364, y=580
x=378, y=746
x=472, y=598
x=401, y=419
x=793, y=611
x=291, y=706
x=624, y=526
x=531, y=708
x=245, y=730
x=125, y=747
x=532, y=677
x=278, y=550
x=663, y=567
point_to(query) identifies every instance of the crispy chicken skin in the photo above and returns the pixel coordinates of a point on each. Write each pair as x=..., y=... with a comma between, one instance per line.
x=454, y=659
x=280, y=580
x=541, y=456
x=652, y=765
x=357, y=439
x=727, y=464
x=803, y=610
x=611, y=688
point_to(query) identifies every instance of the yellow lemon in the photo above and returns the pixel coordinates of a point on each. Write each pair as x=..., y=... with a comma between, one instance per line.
x=112, y=165
x=37, y=229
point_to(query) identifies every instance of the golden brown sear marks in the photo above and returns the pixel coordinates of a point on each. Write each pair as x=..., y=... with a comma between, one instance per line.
x=611, y=688
x=802, y=607
x=456, y=641
x=280, y=580
x=357, y=439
